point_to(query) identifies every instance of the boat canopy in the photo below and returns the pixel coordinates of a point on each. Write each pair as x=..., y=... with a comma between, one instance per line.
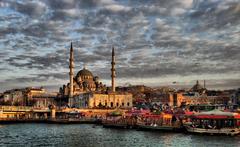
x=152, y=116
x=216, y=114
x=162, y=115
x=137, y=112
x=115, y=113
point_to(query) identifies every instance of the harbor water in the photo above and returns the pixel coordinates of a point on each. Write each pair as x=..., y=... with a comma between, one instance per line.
x=96, y=136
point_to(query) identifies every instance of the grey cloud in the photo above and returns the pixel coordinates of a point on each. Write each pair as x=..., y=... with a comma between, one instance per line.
x=7, y=31
x=62, y=4
x=210, y=14
x=46, y=76
x=38, y=62
x=33, y=9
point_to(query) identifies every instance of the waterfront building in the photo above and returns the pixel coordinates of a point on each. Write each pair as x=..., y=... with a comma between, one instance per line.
x=88, y=92
x=39, y=97
x=197, y=95
x=13, y=97
x=30, y=96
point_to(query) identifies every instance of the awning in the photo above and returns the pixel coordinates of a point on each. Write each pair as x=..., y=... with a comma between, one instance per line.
x=212, y=117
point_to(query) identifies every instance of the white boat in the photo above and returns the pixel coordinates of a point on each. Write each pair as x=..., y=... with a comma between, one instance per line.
x=222, y=131
x=214, y=123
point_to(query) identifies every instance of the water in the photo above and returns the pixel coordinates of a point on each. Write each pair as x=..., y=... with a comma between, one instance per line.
x=96, y=136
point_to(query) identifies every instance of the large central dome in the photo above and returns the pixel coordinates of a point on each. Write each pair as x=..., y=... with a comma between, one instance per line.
x=84, y=73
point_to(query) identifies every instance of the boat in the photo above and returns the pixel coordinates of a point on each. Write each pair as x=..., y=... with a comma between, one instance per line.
x=118, y=120
x=214, y=122
x=113, y=120
x=126, y=120
x=159, y=122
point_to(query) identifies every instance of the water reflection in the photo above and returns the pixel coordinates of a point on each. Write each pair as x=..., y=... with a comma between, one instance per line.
x=87, y=135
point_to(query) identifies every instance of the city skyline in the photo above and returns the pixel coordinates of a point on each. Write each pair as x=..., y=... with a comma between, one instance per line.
x=156, y=42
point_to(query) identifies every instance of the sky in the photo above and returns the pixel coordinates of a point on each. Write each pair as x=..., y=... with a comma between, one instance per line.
x=157, y=42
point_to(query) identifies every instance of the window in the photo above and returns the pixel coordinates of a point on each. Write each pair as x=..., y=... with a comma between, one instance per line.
x=128, y=104
x=117, y=104
x=111, y=104
x=122, y=103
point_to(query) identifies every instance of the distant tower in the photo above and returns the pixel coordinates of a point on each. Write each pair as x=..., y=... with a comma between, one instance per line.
x=204, y=84
x=71, y=66
x=113, y=70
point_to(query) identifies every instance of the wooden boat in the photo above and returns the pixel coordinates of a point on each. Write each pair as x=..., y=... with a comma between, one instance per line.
x=162, y=122
x=118, y=120
x=125, y=120
x=214, y=123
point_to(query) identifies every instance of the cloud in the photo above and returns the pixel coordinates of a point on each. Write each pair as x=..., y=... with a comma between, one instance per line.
x=117, y=8
x=32, y=8
x=157, y=39
x=215, y=14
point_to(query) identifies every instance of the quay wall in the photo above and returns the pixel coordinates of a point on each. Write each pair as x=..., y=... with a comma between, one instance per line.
x=23, y=112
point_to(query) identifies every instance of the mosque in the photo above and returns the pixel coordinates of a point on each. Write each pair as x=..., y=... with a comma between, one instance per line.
x=84, y=81
x=86, y=91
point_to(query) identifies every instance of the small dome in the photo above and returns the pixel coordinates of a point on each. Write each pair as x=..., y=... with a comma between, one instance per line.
x=84, y=72
x=197, y=87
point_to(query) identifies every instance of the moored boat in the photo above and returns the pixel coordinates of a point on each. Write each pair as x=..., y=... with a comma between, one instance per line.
x=122, y=120
x=114, y=120
x=214, y=123
x=161, y=122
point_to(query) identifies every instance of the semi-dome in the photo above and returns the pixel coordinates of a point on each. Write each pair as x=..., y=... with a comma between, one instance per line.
x=84, y=73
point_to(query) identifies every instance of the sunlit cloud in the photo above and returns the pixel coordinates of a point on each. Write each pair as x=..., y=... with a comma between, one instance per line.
x=157, y=41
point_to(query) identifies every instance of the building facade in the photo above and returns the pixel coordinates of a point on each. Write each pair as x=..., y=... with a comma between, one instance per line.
x=100, y=100
x=35, y=97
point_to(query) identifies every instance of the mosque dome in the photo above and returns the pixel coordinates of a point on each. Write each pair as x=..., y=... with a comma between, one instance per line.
x=84, y=74
x=197, y=87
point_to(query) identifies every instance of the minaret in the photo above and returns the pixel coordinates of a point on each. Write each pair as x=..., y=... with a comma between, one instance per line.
x=71, y=66
x=113, y=70
x=204, y=84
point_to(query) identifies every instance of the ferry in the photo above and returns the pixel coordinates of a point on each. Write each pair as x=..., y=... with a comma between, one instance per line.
x=214, y=122
x=159, y=122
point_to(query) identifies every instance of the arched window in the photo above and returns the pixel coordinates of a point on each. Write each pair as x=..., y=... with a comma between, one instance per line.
x=111, y=104
x=117, y=104
x=122, y=103
x=100, y=104
x=128, y=104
